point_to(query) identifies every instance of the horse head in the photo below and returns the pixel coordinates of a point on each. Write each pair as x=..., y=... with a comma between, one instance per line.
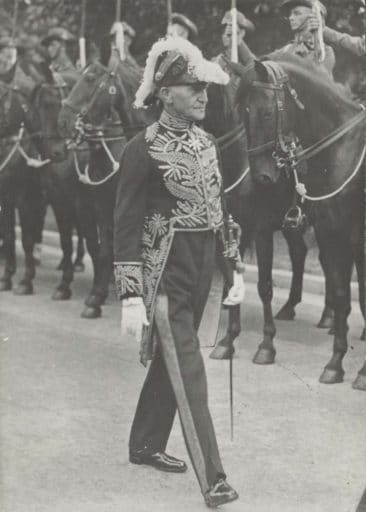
x=15, y=110
x=48, y=98
x=225, y=124
x=261, y=100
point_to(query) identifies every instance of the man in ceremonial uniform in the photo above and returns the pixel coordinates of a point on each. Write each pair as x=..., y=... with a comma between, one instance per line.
x=245, y=56
x=304, y=43
x=181, y=26
x=168, y=223
x=55, y=43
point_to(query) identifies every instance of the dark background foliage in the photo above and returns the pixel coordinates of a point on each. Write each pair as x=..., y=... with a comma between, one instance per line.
x=149, y=19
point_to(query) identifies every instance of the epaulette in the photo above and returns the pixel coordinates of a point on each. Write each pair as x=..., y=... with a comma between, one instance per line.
x=151, y=132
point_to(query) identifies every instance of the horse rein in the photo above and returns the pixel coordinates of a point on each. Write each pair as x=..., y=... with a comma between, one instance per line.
x=20, y=136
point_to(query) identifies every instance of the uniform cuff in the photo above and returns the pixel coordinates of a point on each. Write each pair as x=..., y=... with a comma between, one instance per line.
x=128, y=277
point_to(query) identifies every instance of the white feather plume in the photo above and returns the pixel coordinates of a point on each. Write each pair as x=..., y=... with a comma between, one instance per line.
x=198, y=66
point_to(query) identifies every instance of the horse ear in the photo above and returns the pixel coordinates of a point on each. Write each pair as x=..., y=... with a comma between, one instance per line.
x=261, y=71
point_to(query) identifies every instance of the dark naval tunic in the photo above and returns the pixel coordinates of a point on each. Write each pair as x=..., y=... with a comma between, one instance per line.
x=168, y=218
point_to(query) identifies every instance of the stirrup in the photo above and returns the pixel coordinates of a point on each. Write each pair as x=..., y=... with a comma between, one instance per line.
x=295, y=220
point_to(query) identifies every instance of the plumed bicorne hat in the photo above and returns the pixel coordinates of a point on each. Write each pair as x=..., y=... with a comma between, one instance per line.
x=176, y=61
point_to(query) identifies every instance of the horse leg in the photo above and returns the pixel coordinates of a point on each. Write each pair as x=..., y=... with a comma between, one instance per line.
x=64, y=220
x=99, y=293
x=360, y=382
x=266, y=352
x=27, y=219
x=297, y=250
x=224, y=348
x=327, y=317
x=8, y=233
x=80, y=250
x=360, y=268
x=338, y=259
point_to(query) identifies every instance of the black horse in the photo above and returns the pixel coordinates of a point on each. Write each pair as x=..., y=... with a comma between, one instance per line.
x=69, y=199
x=243, y=199
x=288, y=105
x=19, y=178
x=99, y=111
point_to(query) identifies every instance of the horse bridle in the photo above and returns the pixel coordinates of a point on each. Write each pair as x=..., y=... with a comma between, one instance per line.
x=17, y=139
x=286, y=148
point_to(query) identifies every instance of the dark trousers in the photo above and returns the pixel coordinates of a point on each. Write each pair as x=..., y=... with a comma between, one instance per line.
x=177, y=377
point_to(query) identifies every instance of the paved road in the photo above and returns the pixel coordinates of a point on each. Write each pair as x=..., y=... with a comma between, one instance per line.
x=69, y=388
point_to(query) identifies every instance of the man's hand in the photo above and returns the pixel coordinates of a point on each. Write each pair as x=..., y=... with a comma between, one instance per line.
x=236, y=293
x=313, y=23
x=133, y=318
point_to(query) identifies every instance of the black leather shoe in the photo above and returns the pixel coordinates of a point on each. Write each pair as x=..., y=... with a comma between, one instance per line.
x=219, y=494
x=159, y=460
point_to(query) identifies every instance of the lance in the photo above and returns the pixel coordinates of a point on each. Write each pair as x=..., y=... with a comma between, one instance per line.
x=169, y=8
x=318, y=36
x=119, y=31
x=82, y=48
x=14, y=28
x=234, y=32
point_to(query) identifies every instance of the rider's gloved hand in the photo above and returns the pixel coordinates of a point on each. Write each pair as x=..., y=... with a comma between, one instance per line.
x=133, y=317
x=313, y=23
x=236, y=293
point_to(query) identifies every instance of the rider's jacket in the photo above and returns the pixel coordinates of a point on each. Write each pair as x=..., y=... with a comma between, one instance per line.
x=170, y=181
x=61, y=64
x=303, y=45
x=354, y=44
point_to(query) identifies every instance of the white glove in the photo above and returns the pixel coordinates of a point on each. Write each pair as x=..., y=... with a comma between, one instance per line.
x=133, y=317
x=236, y=293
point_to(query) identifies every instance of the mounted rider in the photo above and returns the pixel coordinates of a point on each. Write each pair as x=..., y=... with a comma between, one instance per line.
x=129, y=35
x=356, y=45
x=181, y=26
x=56, y=42
x=304, y=43
x=245, y=55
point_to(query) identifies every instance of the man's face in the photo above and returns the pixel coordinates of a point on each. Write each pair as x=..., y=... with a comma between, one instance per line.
x=187, y=101
x=176, y=30
x=54, y=49
x=7, y=59
x=228, y=34
x=298, y=17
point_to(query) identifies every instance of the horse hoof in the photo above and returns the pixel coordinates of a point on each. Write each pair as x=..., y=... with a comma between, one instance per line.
x=330, y=376
x=79, y=266
x=363, y=335
x=286, y=313
x=5, y=285
x=264, y=356
x=24, y=289
x=222, y=352
x=327, y=319
x=61, y=294
x=92, y=312
x=360, y=382
x=94, y=301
